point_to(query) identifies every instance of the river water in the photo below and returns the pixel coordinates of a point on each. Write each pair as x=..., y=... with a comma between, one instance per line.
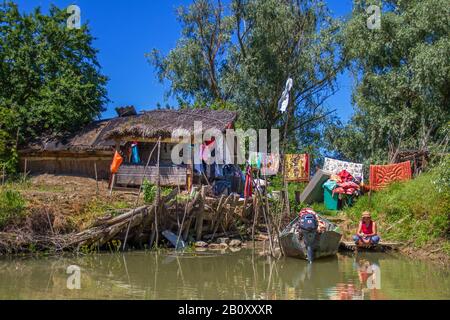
x=221, y=275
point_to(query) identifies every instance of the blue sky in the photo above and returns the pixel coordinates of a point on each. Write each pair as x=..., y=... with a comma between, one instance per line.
x=126, y=30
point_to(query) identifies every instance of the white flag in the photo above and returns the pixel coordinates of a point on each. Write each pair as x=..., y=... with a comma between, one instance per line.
x=284, y=101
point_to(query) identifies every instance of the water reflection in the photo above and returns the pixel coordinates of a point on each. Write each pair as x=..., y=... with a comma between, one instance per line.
x=223, y=275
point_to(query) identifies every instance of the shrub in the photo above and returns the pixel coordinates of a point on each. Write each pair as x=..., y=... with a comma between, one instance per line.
x=12, y=206
x=149, y=191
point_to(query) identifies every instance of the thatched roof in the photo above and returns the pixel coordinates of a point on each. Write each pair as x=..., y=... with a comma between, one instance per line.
x=161, y=123
x=100, y=135
x=88, y=139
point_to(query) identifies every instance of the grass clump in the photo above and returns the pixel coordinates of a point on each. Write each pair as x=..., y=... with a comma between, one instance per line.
x=12, y=206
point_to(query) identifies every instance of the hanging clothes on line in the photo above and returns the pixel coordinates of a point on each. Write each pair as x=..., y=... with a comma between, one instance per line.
x=135, y=159
x=255, y=159
x=335, y=166
x=383, y=175
x=248, y=189
x=116, y=163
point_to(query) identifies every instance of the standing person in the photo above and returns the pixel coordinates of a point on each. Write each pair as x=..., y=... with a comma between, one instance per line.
x=367, y=231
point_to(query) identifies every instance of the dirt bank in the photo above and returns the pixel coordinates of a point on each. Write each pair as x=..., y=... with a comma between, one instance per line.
x=72, y=203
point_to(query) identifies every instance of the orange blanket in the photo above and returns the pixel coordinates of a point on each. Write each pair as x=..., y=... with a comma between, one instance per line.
x=381, y=176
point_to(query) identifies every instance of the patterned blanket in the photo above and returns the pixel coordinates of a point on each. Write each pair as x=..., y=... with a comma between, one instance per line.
x=297, y=167
x=335, y=166
x=382, y=175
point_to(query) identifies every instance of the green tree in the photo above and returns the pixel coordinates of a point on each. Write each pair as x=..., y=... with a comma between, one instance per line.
x=240, y=56
x=50, y=78
x=403, y=80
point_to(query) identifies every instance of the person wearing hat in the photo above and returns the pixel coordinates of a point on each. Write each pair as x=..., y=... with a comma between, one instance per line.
x=367, y=231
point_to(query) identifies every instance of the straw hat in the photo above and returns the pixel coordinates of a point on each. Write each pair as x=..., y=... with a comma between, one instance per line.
x=366, y=214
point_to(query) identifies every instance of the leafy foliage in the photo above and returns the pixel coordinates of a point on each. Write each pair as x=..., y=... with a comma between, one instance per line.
x=403, y=76
x=49, y=75
x=150, y=190
x=240, y=56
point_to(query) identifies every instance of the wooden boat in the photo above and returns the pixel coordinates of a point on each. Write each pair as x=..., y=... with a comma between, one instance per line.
x=295, y=243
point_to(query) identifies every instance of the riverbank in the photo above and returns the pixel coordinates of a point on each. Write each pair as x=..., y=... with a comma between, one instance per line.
x=48, y=205
x=58, y=213
x=415, y=213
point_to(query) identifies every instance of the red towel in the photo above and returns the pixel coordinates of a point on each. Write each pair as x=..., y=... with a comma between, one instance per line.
x=248, y=190
x=381, y=176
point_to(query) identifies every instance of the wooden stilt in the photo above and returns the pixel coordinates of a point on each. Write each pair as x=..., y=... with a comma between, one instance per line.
x=200, y=215
x=158, y=192
x=25, y=169
x=96, y=176
x=113, y=181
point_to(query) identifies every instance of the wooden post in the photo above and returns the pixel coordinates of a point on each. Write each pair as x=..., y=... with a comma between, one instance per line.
x=158, y=192
x=25, y=169
x=113, y=180
x=285, y=183
x=200, y=215
x=96, y=176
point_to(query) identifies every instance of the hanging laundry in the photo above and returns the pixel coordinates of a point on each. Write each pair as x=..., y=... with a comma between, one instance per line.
x=135, y=153
x=335, y=166
x=283, y=103
x=116, y=163
x=198, y=161
x=248, y=189
x=207, y=149
x=297, y=167
x=382, y=175
x=270, y=164
x=255, y=159
x=218, y=168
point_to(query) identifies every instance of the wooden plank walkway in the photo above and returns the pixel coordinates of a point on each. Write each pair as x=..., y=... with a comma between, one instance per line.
x=380, y=247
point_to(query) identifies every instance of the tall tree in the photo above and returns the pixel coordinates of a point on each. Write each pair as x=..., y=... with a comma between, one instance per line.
x=403, y=79
x=259, y=44
x=50, y=78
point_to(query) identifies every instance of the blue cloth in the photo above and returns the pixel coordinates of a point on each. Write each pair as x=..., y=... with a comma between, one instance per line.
x=199, y=166
x=219, y=170
x=135, y=155
x=373, y=239
x=330, y=185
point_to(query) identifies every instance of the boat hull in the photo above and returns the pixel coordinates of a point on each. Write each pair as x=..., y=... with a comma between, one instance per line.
x=324, y=245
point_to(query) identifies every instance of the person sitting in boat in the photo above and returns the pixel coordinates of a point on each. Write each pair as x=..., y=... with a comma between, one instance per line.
x=367, y=231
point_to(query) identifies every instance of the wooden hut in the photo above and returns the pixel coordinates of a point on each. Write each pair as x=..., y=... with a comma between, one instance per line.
x=94, y=146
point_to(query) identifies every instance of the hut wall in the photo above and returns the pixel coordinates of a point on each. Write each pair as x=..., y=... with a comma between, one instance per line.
x=146, y=147
x=66, y=165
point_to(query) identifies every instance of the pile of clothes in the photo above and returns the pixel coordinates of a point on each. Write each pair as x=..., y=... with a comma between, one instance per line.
x=343, y=183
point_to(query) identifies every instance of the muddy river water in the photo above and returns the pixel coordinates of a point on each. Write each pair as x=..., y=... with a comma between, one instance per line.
x=221, y=275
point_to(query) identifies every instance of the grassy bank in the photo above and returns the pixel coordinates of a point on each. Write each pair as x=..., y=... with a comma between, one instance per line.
x=70, y=203
x=415, y=212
